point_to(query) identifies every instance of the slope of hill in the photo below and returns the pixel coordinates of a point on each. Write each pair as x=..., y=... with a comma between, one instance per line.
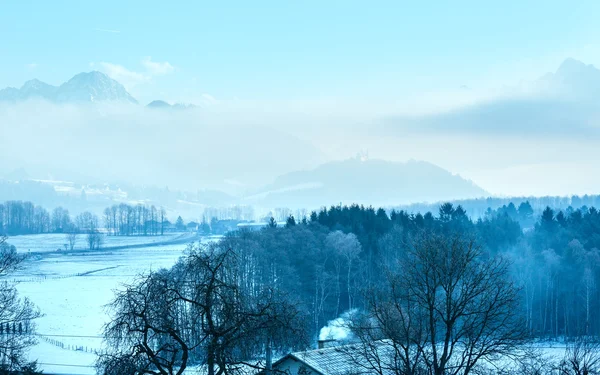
x=370, y=182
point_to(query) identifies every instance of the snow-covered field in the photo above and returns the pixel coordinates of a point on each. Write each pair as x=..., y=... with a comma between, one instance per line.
x=52, y=242
x=72, y=290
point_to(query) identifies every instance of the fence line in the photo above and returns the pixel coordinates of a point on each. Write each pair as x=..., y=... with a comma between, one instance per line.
x=75, y=348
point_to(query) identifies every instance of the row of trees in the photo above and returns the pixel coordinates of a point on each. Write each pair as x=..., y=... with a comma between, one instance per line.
x=19, y=217
x=22, y=217
x=478, y=207
x=138, y=220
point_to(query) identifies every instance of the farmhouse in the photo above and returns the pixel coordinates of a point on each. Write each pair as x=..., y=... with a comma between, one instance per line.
x=336, y=360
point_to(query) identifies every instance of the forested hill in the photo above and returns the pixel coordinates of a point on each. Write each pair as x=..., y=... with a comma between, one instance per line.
x=479, y=207
x=548, y=262
x=298, y=280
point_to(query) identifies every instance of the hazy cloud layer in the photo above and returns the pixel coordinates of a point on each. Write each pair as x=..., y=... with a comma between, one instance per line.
x=126, y=77
x=131, y=78
x=563, y=103
x=537, y=139
x=157, y=68
x=185, y=149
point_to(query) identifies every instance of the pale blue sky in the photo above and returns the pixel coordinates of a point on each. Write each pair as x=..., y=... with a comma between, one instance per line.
x=290, y=50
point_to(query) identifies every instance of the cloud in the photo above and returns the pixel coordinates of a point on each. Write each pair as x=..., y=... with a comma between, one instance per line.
x=31, y=65
x=208, y=99
x=131, y=78
x=126, y=77
x=157, y=68
x=108, y=31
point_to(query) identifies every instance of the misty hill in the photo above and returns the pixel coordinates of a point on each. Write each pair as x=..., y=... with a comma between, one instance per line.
x=561, y=103
x=574, y=79
x=83, y=87
x=370, y=182
x=19, y=174
x=161, y=104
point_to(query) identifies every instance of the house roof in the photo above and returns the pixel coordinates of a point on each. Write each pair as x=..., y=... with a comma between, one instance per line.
x=340, y=360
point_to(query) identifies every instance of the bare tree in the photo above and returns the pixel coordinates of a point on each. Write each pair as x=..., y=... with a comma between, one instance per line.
x=144, y=334
x=163, y=219
x=197, y=312
x=346, y=247
x=16, y=315
x=72, y=237
x=94, y=239
x=233, y=323
x=445, y=309
x=582, y=357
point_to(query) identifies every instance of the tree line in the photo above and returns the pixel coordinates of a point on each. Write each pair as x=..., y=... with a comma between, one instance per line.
x=478, y=207
x=138, y=220
x=442, y=292
x=23, y=217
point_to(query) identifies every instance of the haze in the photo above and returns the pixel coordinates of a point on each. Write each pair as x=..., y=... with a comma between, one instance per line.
x=299, y=187
x=278, y=89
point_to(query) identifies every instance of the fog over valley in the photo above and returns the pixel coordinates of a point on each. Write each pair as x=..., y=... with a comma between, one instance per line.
x=299, y=188
x=96, y=134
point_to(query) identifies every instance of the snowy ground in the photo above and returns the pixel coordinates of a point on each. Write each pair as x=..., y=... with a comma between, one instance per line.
x=72, y=290
x=52, y=242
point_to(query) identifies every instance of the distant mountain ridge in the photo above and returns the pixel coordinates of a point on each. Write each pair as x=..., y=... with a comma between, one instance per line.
x=161, y=104
x=84, y=87
x=375, y=183
x=574, y=78
x=371, y=182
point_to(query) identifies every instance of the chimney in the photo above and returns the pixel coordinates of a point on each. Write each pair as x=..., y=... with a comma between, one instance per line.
x=322, y=344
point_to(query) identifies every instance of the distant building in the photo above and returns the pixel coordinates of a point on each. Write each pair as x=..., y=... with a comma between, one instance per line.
x=223, y=226
x=254, y=226
x=192, y=226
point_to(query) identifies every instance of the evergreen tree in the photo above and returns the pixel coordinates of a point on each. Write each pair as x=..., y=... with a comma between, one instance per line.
x=290, y=222
x=179, y=224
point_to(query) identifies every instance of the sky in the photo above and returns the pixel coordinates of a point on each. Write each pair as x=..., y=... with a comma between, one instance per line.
x=313, y=77
x=376, y=53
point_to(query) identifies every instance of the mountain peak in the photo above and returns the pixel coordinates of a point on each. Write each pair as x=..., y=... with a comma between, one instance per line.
x=161, y=104
x=572, y=66
x=91, y=86
x=37, y=89
x=90, y=76
x=33, y=83
x=158, y=104
x=575, y=79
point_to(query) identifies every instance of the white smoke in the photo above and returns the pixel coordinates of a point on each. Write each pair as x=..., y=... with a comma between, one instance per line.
x=338, y=328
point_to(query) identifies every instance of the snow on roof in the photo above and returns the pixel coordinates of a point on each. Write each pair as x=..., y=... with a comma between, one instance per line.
x=345, y=359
